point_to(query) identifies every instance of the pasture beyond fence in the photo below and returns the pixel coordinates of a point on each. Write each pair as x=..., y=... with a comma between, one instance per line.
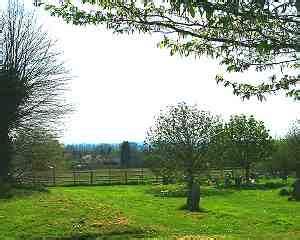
x=91, y=177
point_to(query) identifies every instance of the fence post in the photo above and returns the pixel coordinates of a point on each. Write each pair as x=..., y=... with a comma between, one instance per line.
x=109, y=176
x=142, y=171
x=126, y=176
x=91, y=177
x=74, y=178
x=53, y=177
x=33, y=179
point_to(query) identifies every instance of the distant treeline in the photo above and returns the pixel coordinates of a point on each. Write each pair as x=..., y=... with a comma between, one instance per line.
x=89, y=156
x=89, y=147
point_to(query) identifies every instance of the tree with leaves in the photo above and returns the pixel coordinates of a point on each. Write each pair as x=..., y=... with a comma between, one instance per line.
x=241, y=34
x=220, y=148
x=281, y=159
x=250, y=142
x=180, y=136
x=37, y=150
x=125, y=154
x=160, y=164
x=293, y=140
x=33, y=80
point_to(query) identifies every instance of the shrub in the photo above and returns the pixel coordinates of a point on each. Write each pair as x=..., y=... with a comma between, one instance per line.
x=173, y=190
x=32, y=187
x=284, y=192
x=5, y=190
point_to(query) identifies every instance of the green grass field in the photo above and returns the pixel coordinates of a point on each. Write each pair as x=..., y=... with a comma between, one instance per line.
x=127, y=211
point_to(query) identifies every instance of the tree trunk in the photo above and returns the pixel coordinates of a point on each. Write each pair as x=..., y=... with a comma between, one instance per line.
x=247, y=173
x=165, y=180
x=193, y=195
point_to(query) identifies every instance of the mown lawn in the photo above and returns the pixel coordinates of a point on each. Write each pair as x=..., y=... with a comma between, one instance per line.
x=132, y=210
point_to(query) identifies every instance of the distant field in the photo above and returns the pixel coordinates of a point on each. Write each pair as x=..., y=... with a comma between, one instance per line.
x=131, y=210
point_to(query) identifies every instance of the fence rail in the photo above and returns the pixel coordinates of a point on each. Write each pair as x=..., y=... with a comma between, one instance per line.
x=114, y=176
x=102, y=177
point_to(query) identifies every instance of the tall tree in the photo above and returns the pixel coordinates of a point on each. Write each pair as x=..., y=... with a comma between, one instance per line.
x=125, y=154
x=32, y=80
x=181, y=135
x=249, y=140
x=242, y=34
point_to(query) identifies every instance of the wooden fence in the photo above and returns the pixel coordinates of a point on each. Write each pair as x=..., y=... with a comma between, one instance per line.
x=91, y=177
x=114, y=176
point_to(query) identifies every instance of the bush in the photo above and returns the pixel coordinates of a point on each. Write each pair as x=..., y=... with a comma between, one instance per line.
x=173, y=190
x=5, y=190
x=254, y=186
x=284, y=192
x=274, y=185
x=32, y=187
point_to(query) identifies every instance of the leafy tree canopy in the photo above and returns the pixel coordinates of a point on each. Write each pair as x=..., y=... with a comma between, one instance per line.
x=37, y=150
x=293, y=139
x=242, y=34
x=282, y=157
x=250, y=141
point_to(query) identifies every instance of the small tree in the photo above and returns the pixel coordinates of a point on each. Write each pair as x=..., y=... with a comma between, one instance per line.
x=180, y=136
x=37, y=150
x=281, y=158
x=125, y=154
x=250, y=141
x=160, y=164
x=105, y=152
x=219, y=148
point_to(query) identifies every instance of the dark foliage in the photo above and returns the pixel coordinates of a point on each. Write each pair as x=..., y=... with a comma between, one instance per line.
x=284, y=192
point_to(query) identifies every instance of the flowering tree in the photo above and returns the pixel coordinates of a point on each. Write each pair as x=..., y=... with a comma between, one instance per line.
x=180, y=136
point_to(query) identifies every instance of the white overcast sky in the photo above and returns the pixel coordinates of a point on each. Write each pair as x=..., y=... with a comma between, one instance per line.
x=122, y=81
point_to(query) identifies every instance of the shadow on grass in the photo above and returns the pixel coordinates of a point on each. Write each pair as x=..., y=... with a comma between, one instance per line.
x=201, y=209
